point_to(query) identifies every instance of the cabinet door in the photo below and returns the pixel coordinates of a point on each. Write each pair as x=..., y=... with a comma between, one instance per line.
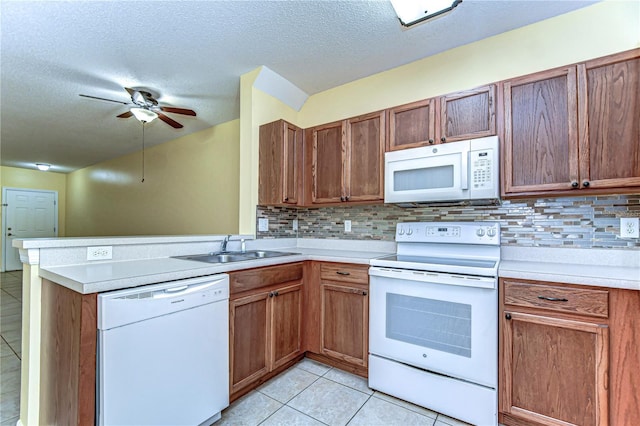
x=249, y=337
x=365, y=156
x=279, y=164
x=469, y=114
x=292, y=163
x=541, y=138
x=329, y=146
x=286, y=314
x=345, y=312
x=556, y=370
x=412, y=125
x=609, y=99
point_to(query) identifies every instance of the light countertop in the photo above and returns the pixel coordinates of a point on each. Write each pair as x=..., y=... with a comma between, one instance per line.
x=106, y=276
x=593, y=267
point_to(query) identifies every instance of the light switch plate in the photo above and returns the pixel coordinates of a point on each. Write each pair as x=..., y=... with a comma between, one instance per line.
x=347, y=226
x=295, y=224
x=263, y=224
x=629, y=227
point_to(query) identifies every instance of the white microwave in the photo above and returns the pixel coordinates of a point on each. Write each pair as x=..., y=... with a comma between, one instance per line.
x=459, y=172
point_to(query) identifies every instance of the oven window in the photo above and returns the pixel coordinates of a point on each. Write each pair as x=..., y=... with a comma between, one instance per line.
x=435, y=324
x=425, y=178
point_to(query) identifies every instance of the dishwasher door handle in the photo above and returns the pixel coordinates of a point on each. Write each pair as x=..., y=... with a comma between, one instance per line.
x=184, y=290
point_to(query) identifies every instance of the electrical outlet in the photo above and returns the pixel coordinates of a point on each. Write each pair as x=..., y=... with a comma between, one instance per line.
x=99, y=253
x=295, y=224
x=263, y=224
x=629, y=227
x=347, y=226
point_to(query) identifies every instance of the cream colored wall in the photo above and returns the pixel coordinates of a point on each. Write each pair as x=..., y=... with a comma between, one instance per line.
x=190, y=187
x=598, y=30
x=256, y=108
x=13, y=177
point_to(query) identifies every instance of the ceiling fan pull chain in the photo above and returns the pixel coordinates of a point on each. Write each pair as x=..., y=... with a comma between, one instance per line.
x=143, y=123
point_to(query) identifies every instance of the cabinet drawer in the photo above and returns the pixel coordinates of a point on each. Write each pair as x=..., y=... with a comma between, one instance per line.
x=594, y=303
x=262, y=277
x=345, y=272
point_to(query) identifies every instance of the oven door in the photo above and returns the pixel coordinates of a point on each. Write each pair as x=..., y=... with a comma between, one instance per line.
x=438, y=322
x=434, y=173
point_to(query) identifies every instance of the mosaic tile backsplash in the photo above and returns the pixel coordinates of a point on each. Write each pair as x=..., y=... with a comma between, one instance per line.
x=577, y=222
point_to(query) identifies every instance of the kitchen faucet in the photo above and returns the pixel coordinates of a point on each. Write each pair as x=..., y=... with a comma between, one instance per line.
x=223, y=247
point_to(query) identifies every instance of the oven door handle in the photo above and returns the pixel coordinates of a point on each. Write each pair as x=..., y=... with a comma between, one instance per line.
x=433, y=277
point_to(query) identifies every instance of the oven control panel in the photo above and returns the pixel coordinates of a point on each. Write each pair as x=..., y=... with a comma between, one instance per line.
x=449, y=232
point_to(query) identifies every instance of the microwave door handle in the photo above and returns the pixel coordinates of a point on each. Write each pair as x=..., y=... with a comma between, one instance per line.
x=464, y=173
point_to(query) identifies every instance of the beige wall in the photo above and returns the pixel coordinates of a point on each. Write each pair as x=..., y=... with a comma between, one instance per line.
x=598, y=30
x=190, y=187
x=13, y=177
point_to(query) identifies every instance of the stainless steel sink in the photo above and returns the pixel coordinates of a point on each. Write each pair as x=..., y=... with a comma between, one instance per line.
x=234, y=256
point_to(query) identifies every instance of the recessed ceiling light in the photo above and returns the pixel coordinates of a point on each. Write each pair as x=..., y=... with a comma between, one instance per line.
x=42, y=166
x=411, y=12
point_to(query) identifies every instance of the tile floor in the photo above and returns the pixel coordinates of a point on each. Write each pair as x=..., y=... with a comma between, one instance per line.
x=10, y=346
x=309, y=393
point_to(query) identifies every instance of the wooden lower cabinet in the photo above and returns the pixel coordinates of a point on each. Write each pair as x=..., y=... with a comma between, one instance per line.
x=566, y=356
x=265, y=323
x=345, y=313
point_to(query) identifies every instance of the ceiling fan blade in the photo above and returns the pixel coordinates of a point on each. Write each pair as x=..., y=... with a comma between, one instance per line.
x=125, y=115
x=169, y=121
x=182, y=111
x=130, y=91
x=104, y=99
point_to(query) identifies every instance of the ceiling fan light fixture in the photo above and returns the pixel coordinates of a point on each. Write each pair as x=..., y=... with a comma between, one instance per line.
x=42, y=166
x=411, y=12
x=144, y=115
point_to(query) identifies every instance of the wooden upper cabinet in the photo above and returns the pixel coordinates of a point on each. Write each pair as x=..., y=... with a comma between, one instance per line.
x=364, y=179
x=329, y=145
x=457, y=116
x=609, y=108
x=280, y=164
x=412, y=125
x=469, y=114
x=574, y=128
x=345, y=160
x=541, y=137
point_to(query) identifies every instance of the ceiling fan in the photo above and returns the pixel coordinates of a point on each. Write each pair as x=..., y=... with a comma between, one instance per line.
x=145, y=108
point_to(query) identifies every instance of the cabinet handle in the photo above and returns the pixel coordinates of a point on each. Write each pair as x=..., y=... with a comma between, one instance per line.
x=346, y=198
x=270, y=294
x=343, y=273
x=341, y=198
x=553, y=299
x=286, y=198
x=508, y=316
x=275, y=293
x=431, y=141
x=574, y=184
x=364, y=293
x=443, y=139
x=586, y=183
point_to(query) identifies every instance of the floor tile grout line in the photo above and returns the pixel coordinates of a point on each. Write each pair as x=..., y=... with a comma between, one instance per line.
x=358, y=410
x=11, y=347
x=412, y=410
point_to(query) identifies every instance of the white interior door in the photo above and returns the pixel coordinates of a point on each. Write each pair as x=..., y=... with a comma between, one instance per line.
x=27, y=214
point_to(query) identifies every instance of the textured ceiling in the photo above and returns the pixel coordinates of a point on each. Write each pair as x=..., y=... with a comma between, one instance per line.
x=191, y=54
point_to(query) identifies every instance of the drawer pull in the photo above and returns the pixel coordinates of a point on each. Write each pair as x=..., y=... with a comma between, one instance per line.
x=553, y=299
x=343, y=273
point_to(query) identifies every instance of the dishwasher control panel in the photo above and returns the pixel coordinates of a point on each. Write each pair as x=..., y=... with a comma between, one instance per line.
x=121, y=307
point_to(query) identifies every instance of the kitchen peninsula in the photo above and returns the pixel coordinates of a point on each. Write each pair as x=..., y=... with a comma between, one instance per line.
x=60, y=265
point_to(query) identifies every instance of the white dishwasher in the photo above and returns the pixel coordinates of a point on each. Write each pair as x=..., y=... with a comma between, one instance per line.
x=163, y=353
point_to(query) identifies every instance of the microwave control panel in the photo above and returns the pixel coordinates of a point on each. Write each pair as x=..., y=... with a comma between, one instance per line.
x=482, y=173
